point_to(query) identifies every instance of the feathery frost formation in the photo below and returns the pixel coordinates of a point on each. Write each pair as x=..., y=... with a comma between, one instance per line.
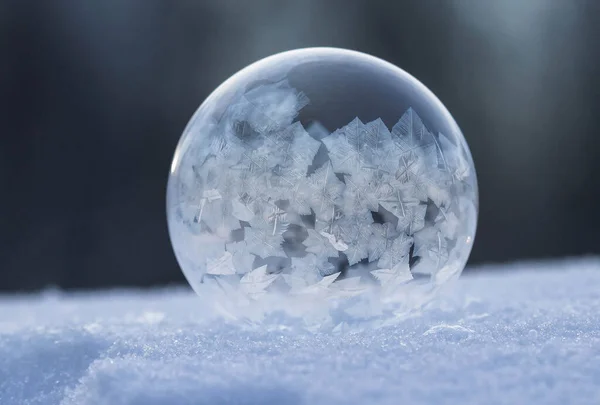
x=269, y=205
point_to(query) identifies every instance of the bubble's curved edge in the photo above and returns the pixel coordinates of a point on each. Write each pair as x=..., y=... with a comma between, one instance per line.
x=306, y=54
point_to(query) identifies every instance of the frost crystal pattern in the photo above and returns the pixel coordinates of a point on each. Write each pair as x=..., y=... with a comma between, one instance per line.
x=263, y=203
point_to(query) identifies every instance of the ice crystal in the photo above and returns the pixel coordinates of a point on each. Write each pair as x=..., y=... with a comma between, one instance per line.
x=221, y=266
x=432, y=248
x=320, y=244
x=346, y=147
x=265, y=235
x=399, y=273
x=324, y=192
x=382, y=237
x=313, y=263
x=355, y=232
x=321, y=286
x=241, y=257
x=255, y=282
x=396, y=252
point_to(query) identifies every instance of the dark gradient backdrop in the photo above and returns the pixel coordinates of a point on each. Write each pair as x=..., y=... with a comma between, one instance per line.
x=95, y=95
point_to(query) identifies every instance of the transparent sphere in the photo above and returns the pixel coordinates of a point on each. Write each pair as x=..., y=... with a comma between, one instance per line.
x=321, y=172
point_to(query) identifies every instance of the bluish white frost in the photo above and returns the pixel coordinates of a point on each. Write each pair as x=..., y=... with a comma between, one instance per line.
x=519, y=334
x=378, y=206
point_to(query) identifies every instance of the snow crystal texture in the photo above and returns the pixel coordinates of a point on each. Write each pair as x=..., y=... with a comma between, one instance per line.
x=528, y=336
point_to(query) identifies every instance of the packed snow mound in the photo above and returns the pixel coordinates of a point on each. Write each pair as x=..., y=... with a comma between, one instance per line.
x=530, y=335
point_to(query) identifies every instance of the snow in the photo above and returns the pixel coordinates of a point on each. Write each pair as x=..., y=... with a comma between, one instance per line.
x=520, y=334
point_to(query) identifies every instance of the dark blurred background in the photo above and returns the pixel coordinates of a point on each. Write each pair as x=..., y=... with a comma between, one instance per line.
x=95, y=95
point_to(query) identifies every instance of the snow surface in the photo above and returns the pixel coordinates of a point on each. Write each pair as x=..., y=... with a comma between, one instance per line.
x=522, y=334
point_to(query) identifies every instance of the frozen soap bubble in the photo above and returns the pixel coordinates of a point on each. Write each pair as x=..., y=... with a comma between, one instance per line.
x=321, y=173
